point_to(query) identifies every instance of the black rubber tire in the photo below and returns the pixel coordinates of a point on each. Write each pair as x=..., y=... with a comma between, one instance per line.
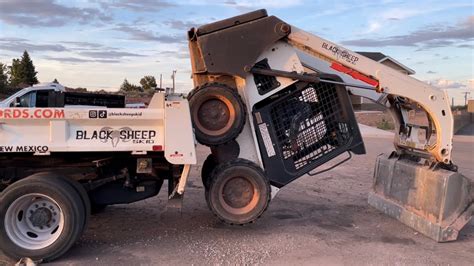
x=79, y=189
x=70, y=203
x=222, y=95
x=207, y=167
x=243, y=171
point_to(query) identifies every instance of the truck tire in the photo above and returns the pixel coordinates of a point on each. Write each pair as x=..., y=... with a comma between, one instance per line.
x=239, y=192
x=77, y=186
x=218, y=113
x=41, y=218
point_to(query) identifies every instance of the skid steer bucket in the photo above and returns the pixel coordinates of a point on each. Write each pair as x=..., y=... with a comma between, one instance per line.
x=437, y=203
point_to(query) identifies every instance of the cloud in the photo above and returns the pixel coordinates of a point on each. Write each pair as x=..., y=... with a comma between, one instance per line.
x=20, y=45
x=430, y=72
x=373, y=27
x=46, y=13
x=181, y=54
x=80, y=60
x=264, y=3
x=450, y=84
x=83, y=44
x=144, y=35
x=108, y=54
x=427, y=38
x=181, y=25
x=137, y=5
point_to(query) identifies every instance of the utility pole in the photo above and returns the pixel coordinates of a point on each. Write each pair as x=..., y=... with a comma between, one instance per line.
x=161, y=81
x=465, y=97
x=173, y=76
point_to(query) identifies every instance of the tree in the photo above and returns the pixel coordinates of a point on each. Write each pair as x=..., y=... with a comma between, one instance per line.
x=29, y=69
x=3, y=77
x=16, y=73
x=127, y=87
x=56, y=81
x=22, y=71
x=148, y=83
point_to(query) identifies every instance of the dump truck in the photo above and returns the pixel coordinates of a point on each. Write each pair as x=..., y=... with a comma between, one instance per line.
x=272, y=103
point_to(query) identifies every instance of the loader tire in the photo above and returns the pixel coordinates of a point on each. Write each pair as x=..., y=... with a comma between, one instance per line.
x=41, y=218
x=239, y=192
x=218, y=113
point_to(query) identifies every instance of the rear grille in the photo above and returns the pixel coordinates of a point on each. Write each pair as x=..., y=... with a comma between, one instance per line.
x=307, y=125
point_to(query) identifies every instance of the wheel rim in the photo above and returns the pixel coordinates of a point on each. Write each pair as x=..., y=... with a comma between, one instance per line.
x=239, y=195
x=34, y=221
x=215, y=115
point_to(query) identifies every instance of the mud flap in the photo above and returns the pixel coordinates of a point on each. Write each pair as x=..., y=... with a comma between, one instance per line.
x=437, y=203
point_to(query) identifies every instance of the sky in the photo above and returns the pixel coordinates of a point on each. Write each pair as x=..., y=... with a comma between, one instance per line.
x=97, y=43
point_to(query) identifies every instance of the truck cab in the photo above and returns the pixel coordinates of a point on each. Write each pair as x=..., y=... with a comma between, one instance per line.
x=53, y=95
x=34, y=96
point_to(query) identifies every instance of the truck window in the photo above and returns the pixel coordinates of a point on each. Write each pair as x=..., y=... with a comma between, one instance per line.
x=42, y=98
x=27, y=100
x=32, y=99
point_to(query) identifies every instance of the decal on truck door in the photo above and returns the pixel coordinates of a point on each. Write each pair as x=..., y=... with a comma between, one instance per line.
x=115, y=136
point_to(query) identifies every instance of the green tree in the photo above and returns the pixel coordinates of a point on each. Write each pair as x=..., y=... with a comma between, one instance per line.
x=29, y=69
x=3, y=77
x=148, y=83
x=127, y=87
x=16, y=73
x=22, y=72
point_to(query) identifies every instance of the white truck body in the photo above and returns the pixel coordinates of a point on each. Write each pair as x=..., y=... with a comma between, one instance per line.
x=45, y=130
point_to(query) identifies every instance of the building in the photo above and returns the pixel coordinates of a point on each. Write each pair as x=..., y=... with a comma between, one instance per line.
x=360, y=103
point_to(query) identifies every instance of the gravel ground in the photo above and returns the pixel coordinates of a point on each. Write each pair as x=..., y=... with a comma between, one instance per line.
x=321, y=220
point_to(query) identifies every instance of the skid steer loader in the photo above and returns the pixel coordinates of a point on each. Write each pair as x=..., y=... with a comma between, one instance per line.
x=272, y=103
x=292, y=114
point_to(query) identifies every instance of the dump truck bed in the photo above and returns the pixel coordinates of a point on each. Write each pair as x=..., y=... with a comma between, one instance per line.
x=42, y=131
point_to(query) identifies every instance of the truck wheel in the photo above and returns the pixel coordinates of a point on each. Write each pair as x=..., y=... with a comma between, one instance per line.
x=239, y=192
x=74, y=184
x=218, y=113
x=41, y=218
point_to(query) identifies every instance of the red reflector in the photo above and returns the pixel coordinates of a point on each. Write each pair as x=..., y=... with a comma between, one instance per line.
x=157, y=148
x=354, y=74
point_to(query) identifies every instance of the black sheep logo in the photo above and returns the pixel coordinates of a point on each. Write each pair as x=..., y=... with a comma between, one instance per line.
x=115, y=135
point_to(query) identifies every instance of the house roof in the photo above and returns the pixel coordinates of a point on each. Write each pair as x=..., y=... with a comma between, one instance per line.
x=380, y=57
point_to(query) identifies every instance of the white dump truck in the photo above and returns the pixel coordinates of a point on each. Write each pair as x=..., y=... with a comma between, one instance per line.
x=272, y=103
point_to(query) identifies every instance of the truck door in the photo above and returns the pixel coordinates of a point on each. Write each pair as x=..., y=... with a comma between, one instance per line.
x=32, y=99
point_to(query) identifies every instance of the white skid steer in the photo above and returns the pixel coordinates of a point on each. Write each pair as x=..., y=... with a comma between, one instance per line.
x=272, y=103
x=294, y=87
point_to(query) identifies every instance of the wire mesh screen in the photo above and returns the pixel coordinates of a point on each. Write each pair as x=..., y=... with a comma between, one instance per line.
x=309, y=123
